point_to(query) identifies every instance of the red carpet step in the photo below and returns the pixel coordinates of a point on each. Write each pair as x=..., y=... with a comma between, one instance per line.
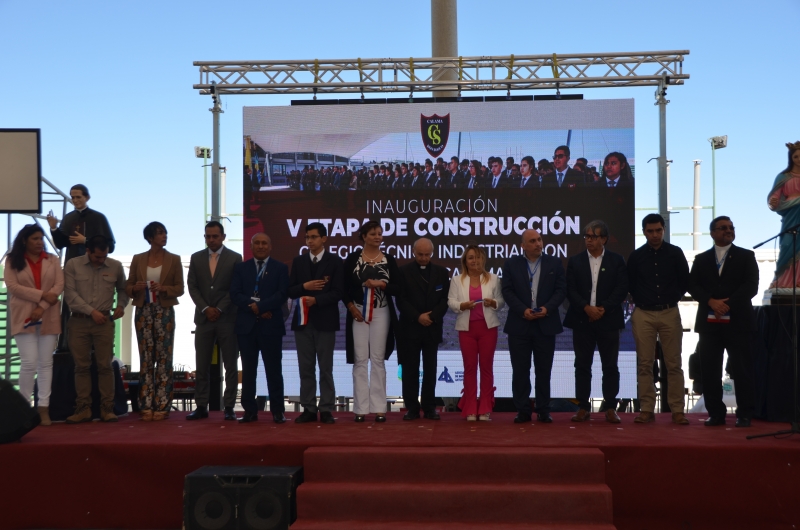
x=453, y=488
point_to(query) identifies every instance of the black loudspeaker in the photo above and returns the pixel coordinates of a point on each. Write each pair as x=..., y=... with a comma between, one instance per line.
x=241, y=498
x=17, y=417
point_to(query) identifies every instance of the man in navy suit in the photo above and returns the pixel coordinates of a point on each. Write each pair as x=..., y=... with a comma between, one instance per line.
x=317, y=285
x=259, y=290
x=723, y=280
x=498, y=178
x=563, y=176
x=534, y=287
x=597, y=284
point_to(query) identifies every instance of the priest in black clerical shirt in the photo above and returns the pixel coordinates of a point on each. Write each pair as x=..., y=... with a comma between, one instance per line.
x=423, y=305
x=77, y=226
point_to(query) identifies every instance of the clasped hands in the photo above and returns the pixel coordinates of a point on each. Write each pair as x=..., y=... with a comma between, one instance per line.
x=50, y=298
x=719, y=307
x=254, y=308
x=102, y=318
x=77, y=239
x=530, y=314
x=595, y=312
x=156, y=287
x=469, y=304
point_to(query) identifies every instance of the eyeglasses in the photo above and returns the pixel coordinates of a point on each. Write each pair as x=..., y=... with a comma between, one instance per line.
x=562, y=155
x=591, y=237
x=724, y=228
x=313, y=237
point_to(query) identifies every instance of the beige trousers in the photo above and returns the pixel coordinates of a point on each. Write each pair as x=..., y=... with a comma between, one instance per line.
x=648, y=327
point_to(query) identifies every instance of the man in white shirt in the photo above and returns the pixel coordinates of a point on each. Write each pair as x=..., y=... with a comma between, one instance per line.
x=597, y=284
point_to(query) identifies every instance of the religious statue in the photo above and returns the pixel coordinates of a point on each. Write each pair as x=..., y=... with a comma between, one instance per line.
x=784, y=198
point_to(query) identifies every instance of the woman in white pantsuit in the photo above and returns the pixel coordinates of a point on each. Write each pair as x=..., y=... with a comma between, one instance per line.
x=370, y=282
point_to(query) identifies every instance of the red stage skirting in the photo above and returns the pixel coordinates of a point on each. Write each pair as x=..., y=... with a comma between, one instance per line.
x=130, y=474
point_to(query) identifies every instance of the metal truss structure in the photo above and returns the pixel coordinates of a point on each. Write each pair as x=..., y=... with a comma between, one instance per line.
x=524, y=72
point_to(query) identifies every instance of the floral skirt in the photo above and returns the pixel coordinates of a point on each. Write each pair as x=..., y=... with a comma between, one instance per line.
x=155, y=332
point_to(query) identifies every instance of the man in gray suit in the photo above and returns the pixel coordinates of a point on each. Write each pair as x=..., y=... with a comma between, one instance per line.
x=209, y=281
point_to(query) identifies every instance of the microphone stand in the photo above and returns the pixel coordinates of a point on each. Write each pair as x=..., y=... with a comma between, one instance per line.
x=794, y=426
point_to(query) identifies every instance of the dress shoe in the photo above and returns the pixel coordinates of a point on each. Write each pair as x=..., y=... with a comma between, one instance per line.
x=432, y=415
x=360, y=418
x=582, y=415
x=743, y=422
x=714, y=421
x=410, y=416
x=248, y=417
x=198, y=414
x=229, y=414
x=484, y=417
x=645, y=417
x=680, y=418
x=306, y=417
x=544, y=417
x=522, y=418
x=612, y=416
x=472, y=417
x=380, y=419
x=326, y=417
x=44, y=416
x=80, y=416
x=280, y=418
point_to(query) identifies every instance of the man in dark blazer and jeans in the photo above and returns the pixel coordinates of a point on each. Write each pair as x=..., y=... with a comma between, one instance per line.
x=533, y=287
x=316, y=283
x=723, y=280
x=423, y=304
x=597, y=284
x=209, y=282
x=258, y=290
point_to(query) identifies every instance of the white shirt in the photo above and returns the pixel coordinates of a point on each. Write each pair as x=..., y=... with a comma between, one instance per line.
x=524, y=181
x=218, y=253
x=721, y=257
x=615, y=181
x=594, y=264
x=318, y=256
x=536, y=274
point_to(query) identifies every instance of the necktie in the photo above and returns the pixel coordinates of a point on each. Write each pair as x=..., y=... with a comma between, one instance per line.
x=314, y=260
x=471, y=180
x=522, y=183
x=494, y=182
x=259, y=264
x=213, y=263
x=560, y=179
x=612, y=183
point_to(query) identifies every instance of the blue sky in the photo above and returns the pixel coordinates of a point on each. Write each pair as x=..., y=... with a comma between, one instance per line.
x=110, y=85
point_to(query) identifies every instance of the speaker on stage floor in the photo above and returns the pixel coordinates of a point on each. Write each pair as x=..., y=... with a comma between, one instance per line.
x=241, y=498
x=17, y=417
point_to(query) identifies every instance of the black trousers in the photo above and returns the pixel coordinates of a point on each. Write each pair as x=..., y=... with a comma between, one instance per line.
x=520, y=348
x=584, y=341
x=270, y=349
x=411, y=356
x=740, y=363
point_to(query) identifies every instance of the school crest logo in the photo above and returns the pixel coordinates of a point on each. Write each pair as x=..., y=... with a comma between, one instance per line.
x=435, y=132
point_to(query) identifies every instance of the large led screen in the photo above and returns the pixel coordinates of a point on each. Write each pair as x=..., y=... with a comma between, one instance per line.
x=486, y=172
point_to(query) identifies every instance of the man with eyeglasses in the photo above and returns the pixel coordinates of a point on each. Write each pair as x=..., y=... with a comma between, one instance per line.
x=563, y=176
x=497, y=178
x=597, y=284
x=723, y=280
x=209, y=282
x=658, y=277
x=317, y=284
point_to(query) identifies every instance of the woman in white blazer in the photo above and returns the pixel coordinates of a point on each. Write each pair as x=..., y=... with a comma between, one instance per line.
x=475, y=296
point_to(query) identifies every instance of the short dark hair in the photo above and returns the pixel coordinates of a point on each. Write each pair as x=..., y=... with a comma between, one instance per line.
x=454, y=159
x=652, y=218
x=150, y=230
x=319, y=227
x=529, y=160
x=214, y=224
x=717, y=219
x=591, y=226
x=81, y=188
x=510, y=158
x=17, y=255
x=564, y=148
x=368, y=227
x=97, y=243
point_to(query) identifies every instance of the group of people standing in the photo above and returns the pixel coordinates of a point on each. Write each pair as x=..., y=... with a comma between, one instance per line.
x=240, y=307
x=469, y=174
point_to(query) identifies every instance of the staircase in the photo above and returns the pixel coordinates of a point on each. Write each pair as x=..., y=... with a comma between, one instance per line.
x=453, y=488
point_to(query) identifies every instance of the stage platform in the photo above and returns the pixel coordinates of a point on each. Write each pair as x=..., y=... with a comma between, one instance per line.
x=130, y=474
